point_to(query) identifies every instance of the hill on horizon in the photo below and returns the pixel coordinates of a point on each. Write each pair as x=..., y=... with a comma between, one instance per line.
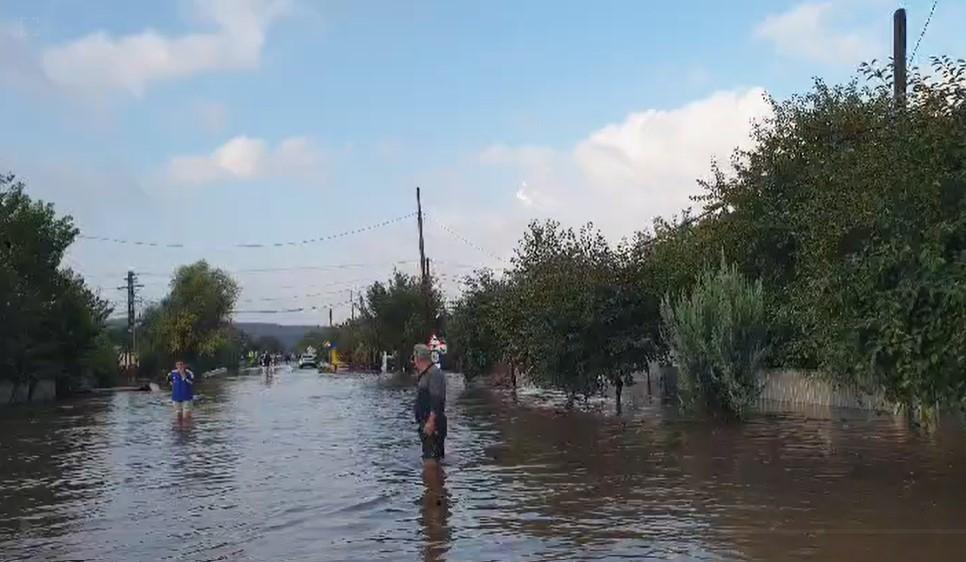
x=288, y=334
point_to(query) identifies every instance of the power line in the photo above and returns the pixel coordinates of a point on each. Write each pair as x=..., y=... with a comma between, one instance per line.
x=325, y=267
x=297, y=309
x=287, y=297
x=250, y=245
x=923, y=32
x=464, y=240
x=330, y=236
x=317, y=267
x=131, y=242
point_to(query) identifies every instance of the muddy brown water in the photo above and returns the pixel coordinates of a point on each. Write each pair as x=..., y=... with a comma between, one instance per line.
x=321, y=467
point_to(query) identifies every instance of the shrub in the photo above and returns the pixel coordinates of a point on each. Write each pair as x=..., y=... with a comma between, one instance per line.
x=717, y=336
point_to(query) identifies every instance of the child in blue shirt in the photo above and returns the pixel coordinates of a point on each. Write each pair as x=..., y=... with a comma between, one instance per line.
x=182, y=388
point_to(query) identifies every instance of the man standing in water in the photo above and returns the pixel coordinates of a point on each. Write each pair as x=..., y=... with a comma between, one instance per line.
x=182, y=389
x=430, y=406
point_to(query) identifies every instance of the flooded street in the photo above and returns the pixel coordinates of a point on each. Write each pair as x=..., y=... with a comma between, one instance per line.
x=305, y=466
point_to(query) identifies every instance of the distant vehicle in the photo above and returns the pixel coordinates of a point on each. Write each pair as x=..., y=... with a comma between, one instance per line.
x=308, y=360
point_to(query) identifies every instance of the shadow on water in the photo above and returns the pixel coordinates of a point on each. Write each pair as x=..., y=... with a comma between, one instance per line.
x=310, y=467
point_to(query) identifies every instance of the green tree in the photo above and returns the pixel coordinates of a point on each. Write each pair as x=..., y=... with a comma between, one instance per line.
x=51, y=320
x=395, y=316
x=355, y=342
x=578, y=318
x=193, y=320
x=851, y=210
x=477, y=331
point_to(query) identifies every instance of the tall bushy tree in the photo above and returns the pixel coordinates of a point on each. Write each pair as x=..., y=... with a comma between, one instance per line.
x=579, y=319
x=850, y=207
x=51, y=320
x=477, y=331
x=394, y=316
x=194, y=317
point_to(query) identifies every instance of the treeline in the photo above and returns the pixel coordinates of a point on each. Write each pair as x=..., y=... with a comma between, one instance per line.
x=51, y=323
x=846, y=219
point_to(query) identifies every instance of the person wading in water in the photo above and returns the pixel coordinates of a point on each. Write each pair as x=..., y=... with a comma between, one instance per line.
x=182, y=389
x=430, y=406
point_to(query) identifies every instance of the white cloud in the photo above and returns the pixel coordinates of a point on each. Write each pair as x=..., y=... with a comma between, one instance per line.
x=805, y=32
x=244, y=159
x=625, y=174
x=100, y=62
x=660, y=154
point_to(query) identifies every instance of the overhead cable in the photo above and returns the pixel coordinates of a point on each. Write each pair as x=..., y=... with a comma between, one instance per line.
x=249, y=245
x=923, y=32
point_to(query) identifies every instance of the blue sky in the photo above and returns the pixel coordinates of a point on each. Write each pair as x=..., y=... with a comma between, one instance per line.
x=219, y=122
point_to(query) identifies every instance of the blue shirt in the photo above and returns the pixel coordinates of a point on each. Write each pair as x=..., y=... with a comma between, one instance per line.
x=182, y=390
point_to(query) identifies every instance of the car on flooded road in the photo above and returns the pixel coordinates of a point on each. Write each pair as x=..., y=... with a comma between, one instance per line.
x=307, y=360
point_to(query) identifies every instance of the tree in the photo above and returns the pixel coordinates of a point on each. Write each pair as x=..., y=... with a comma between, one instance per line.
x=578, y=318
x=355, y=342
x=852, y=210
x=396, y=315
x=51, y=320
x=477, y=328
x=193, y=320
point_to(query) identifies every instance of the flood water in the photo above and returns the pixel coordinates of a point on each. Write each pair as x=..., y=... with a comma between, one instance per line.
x=305, y=466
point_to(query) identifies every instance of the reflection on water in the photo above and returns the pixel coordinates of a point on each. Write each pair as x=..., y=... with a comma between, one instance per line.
x=301, y=466
x=435, y=514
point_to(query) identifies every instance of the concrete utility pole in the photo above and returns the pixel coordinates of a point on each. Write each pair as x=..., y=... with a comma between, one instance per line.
x=899, y=54
x=131, y=287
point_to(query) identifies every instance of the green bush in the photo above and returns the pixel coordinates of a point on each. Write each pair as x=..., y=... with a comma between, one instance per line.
x=717, y=336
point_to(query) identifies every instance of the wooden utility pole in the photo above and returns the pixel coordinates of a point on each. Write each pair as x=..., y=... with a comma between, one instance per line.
x=899, y=54
x=330, y=316
x=424, y=265
x=422, y=246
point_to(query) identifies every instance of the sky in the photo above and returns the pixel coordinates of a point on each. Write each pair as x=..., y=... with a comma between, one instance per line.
x=283, y=140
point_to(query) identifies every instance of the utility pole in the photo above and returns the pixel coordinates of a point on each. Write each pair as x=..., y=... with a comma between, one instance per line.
x=899, y=55
x=352, y=304
x=330, y=316
x=422, y=247
x=131, y=287
x=424, y=263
